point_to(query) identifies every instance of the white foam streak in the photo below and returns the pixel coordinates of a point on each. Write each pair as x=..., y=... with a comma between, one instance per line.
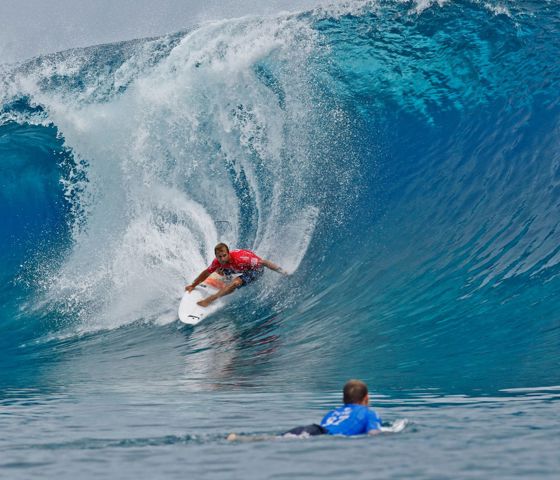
x=190, y=142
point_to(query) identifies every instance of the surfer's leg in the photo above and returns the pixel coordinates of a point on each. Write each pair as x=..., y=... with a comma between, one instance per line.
x=250, y=276
x=234, y=437
x=220, y=293
x=306, y=431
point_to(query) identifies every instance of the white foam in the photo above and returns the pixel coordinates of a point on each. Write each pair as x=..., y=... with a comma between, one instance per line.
x=161, y=161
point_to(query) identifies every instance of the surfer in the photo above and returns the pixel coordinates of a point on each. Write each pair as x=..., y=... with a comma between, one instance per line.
x=353, y=418
x=229, y=262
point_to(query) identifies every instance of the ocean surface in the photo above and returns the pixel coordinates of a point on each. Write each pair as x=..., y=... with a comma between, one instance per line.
x=401, y=159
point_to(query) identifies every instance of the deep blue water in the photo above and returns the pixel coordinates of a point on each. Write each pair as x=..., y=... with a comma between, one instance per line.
x=401, y=159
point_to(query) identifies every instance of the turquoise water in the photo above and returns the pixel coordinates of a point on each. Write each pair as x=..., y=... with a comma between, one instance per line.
x=400, y=158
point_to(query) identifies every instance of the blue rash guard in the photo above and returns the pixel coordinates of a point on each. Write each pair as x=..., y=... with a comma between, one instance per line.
x=351, y=419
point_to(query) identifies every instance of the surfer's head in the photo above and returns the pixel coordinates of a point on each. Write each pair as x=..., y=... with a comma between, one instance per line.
x=356, y=392
x=222, y=253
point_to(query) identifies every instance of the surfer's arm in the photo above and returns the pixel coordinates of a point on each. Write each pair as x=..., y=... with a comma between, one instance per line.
x=273, y=266
x=203, y=276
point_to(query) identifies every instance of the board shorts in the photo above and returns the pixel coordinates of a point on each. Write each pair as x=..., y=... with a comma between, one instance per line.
x=247, y=276
x=307, y=431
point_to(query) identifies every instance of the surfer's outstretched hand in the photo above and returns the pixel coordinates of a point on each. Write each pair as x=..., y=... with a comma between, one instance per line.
x=189, y=288
x=273, y=266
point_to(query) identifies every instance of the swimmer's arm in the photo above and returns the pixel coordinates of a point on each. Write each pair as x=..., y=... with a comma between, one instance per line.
x=273, y=266
x=374, y=425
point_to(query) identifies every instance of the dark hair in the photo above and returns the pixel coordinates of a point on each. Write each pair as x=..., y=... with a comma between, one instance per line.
x=221, y=246
x=354, y=391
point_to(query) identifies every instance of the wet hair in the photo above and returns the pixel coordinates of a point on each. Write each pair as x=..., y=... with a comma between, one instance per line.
x=221, y=246
x=354, y=391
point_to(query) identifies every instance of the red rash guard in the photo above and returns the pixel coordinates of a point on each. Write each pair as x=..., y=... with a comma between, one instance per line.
x=239, y=261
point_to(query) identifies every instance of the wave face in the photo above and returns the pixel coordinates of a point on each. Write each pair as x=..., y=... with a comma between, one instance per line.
x=401, y=159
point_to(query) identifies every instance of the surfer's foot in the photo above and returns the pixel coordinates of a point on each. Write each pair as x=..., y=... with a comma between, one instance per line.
x=205, y=302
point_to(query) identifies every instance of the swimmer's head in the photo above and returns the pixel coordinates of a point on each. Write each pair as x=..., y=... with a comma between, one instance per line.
x=356, y=392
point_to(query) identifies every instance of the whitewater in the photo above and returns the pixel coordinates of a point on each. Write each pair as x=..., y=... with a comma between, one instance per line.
x=400, y=158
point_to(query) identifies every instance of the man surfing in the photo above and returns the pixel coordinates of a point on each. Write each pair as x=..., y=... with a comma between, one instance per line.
x=228, y=262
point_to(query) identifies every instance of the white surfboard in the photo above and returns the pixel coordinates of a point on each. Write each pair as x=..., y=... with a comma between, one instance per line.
x=191, y=313
x=396, y=427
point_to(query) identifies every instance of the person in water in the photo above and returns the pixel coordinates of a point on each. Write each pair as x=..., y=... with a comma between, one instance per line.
x=352, y=418
x=229, y=262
